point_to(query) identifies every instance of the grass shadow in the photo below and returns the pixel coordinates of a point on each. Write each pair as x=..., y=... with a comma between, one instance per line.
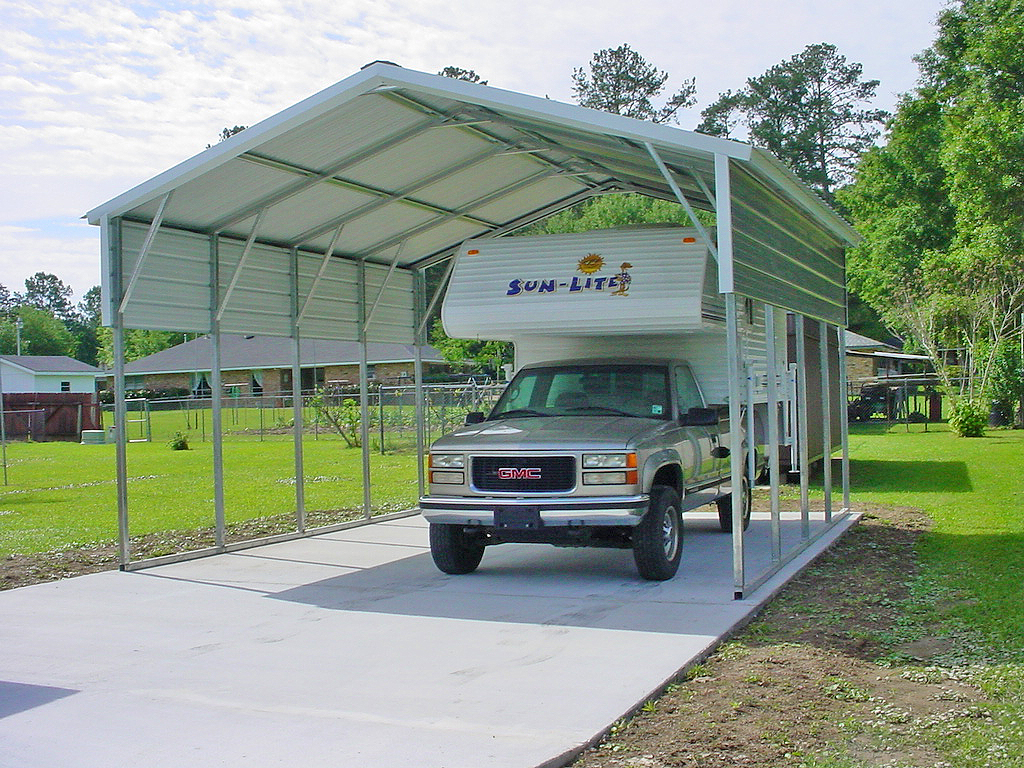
x=916, y=476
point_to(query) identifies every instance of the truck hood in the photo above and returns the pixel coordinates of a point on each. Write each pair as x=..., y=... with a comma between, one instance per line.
x=545, y=433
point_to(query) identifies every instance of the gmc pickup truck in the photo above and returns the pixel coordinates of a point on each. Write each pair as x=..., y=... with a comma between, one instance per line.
x=601, y=453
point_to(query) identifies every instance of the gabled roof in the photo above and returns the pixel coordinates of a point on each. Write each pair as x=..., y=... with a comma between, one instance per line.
x=49, y=364
x=244, y=352
x=332, y=202
x=856, y=341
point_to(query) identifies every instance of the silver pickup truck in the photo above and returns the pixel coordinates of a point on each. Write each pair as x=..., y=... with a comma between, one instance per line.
x=599, y=453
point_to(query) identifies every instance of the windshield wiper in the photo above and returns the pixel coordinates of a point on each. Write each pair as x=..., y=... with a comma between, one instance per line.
x=601, y=409
x=516, y=412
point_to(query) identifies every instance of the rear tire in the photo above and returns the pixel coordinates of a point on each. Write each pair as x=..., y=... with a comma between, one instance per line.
x=724, y=504
x=454, y=550
x=658, y=539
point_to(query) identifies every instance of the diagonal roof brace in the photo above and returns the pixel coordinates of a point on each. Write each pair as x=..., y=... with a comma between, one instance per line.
x=319, y=274
x=154, y=226
x=240, y=265
x=682, y=200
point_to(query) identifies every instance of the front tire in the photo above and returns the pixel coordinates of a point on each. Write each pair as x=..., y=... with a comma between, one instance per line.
x=658, y=539
x=454, y=550
x=724, y=505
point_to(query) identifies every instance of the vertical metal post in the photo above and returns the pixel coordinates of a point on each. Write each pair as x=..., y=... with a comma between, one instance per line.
x=826, y=419
x=300, y=477
x=737, y=464
x=844, y=419
x=364, y=393
x=3, y=424
x=751, y=470
x=216, y=396
x=421, y=295
x=773, y=429
x=113, y=229
x=802, y=428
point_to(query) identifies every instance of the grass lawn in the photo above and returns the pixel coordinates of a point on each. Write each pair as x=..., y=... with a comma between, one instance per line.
x=973, y=490
x=63, y=495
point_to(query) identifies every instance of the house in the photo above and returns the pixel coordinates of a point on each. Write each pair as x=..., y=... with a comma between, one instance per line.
x=868, y=360
x=47, y=373
x=254, y=365
x=48, y=396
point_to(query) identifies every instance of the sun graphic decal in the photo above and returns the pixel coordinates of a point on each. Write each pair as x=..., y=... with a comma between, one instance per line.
x=590, y=264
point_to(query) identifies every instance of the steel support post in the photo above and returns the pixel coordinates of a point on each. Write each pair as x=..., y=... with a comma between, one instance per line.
x=844, y=419
x=215, y=395
x=771, y=360
x=737, y=464
x=113, y=234
x=364, y=393
x=3, y=426
x=300, y=476
x=421, y=438
x=826, y=420
x=802, y=428
x=751, y=428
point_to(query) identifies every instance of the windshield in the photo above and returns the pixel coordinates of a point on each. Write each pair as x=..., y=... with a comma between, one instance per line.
x=592, y=390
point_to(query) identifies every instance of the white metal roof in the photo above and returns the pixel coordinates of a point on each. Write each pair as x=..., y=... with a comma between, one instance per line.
x=396, y=167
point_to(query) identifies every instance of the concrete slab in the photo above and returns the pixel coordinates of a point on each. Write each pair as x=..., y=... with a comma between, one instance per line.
x=350, y=649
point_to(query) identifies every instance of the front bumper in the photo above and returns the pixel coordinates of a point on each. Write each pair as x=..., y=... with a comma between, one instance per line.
x=581, y=511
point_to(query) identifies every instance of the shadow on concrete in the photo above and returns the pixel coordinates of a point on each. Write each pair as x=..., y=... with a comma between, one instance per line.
x=19, y=697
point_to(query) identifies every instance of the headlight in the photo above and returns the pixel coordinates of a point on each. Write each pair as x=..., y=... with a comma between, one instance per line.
x=608, y=460
x=447, y=460
x=448, y=478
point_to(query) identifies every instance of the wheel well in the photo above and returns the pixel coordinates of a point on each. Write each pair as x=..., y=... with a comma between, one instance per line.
x=670, y=475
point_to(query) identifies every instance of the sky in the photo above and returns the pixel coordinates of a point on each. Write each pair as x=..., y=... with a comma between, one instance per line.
x=97, y=96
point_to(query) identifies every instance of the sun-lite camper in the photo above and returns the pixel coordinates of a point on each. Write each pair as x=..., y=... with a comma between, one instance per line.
x=616, y=421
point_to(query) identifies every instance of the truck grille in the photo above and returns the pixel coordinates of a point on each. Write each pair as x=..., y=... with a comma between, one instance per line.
x=524, y=473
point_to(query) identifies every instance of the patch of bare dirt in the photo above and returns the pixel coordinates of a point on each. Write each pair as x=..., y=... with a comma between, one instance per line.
x=801, y=684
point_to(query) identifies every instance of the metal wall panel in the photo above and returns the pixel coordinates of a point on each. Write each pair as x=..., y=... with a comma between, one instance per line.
x=780, y=256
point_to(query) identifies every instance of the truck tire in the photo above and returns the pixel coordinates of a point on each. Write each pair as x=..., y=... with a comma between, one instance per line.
x=724, y=504
x=658, y=539
x=455, y=551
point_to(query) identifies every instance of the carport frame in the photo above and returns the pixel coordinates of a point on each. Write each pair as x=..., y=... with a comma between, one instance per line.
x=602, y=153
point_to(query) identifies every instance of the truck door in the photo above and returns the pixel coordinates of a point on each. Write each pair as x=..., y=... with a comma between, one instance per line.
x=703, y=439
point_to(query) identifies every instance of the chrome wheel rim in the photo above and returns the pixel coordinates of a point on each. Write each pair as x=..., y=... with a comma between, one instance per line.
x=670, y=533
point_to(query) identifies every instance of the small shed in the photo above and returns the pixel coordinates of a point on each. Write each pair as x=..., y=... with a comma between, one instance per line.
x=47, y=396
x=323, y=220
x=47, y=373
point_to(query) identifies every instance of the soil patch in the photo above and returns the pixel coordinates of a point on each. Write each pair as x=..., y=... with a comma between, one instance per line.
x=802, y=685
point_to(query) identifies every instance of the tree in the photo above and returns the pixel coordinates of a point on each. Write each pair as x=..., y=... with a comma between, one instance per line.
x=138, y=343
x=621, y=81
x=941, y=206
x=808, y=111
x=485, y=356
x=48, y=292
x=227, y=133
x=41, y=333
x=458, y=73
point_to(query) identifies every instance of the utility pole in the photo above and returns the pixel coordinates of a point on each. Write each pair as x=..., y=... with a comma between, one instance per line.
x=18, y=325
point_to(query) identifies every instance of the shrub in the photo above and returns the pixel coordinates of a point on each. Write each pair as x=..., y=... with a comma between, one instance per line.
x=968, y=418
x=179, y=442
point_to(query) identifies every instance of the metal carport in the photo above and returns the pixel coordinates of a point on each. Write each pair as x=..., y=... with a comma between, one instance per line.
x=319, y=221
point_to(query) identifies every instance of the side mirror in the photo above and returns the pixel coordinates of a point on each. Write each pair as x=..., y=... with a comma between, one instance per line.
x=720, y=452
x=474, y=417
x=700, y=417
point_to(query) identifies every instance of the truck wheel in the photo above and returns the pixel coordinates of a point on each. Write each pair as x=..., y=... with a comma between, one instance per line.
x=658, y=539
x=724, y=504
x=455, y=551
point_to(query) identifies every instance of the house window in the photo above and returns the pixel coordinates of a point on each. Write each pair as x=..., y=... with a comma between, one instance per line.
x=65, y=386
x=256, y=383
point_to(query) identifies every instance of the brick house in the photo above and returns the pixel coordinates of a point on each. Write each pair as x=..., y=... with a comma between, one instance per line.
x=257, y=365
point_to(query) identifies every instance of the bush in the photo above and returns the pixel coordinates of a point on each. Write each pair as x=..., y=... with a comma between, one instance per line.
x=179, y=442
x=968, y=418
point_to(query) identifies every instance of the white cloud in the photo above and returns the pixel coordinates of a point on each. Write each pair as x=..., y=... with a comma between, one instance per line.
x=97, y=96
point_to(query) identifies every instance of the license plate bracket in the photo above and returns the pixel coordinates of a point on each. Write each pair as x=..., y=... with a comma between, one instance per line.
x=517, y=518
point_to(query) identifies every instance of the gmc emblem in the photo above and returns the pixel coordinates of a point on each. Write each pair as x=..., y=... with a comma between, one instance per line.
x=519, y=473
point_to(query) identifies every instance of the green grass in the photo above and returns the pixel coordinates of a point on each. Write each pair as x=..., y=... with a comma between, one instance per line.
x=63, y=495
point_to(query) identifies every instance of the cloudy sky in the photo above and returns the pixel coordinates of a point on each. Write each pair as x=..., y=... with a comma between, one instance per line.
x=97, y=96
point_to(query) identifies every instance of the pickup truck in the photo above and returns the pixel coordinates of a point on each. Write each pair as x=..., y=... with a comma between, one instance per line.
x=601, y=453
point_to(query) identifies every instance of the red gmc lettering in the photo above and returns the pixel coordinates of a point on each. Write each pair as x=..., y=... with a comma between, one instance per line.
x=519, y=473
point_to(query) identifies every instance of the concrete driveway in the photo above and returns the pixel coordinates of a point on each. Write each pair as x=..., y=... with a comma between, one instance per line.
x=350, y=649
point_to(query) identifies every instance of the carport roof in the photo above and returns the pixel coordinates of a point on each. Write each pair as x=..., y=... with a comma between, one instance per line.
x=396, y=165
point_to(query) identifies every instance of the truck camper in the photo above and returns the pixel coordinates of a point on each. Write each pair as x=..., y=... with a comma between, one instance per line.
x=616, y=420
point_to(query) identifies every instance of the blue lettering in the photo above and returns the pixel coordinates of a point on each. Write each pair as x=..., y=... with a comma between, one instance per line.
x=575, y=286
x=599, y=283
x=546, y=286
x=514, y=288
x=613, y=281
x=530, y=285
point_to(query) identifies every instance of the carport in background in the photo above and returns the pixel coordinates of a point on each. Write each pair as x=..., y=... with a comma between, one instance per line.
x=320, y=221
